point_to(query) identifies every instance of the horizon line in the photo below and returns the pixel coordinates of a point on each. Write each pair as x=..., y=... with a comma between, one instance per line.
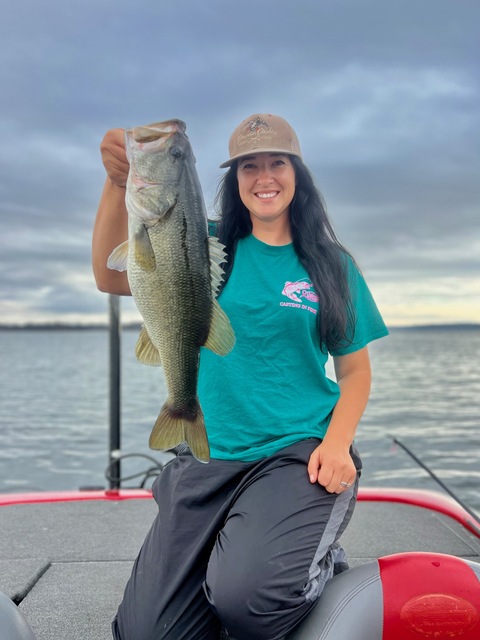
x=138, y=324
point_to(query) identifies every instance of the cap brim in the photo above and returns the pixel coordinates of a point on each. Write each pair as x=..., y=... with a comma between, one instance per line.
x=252, y=152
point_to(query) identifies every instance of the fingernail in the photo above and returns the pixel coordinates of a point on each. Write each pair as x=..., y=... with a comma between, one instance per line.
x=312, y=478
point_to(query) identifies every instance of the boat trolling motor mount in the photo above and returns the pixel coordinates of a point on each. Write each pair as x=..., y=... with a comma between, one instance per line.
x=405, y=595
x=13, y=625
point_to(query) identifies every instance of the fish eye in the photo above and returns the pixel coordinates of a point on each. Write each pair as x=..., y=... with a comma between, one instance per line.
x=176, y=152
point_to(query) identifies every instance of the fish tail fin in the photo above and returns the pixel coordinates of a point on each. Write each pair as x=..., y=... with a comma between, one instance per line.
x=221, y=338
x=174, y=427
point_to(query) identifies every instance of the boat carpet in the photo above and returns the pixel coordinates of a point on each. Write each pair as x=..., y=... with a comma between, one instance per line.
x=66, y=563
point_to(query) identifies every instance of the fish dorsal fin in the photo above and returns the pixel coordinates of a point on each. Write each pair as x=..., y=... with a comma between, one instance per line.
x=221, y=338
x=143, y=250
x=118, y=259
x=146, y=351
x=217, y=256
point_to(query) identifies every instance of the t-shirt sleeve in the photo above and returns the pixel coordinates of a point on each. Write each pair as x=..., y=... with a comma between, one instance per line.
x=366, y=323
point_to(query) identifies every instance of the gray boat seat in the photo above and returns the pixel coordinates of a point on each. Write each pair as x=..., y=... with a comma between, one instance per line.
x=406, y=595
x=13, y=625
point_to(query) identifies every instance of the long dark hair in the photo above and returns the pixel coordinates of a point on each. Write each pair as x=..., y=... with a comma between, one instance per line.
x=324, y=258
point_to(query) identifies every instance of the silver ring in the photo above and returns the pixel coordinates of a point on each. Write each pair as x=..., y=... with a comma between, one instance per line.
x=345, y=484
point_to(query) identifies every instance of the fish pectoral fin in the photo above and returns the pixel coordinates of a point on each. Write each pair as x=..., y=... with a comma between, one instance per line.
x=217, y=255
x=172, y=428
x=221, y=338
x=146, y=351
x=143, y=250
x=118, y=259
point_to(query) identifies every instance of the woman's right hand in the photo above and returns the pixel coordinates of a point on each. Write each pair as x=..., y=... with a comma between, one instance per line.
x=111, y=223
x=114, y=156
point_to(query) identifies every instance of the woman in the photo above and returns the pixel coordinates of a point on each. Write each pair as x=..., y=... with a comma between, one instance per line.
x=248, y=541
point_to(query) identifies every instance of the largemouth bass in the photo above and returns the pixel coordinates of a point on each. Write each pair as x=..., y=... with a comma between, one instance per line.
x=174, y=274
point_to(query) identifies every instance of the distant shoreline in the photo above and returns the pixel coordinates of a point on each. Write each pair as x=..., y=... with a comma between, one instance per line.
x=460, y=326
x=64, y=327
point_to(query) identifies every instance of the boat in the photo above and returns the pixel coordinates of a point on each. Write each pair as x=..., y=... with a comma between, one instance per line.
x=414, y=558
x=65, y=558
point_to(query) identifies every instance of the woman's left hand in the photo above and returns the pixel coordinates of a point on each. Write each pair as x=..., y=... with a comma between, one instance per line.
x=331, y=465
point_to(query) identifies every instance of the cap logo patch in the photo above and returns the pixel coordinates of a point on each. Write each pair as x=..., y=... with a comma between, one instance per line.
x=253, y=125
x=255, y=133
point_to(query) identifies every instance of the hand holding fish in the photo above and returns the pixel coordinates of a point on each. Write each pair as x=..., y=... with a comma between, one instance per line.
x=114, y=156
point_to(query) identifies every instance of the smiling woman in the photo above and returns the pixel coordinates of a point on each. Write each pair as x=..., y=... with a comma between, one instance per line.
x=282, y=457
x=266, y=182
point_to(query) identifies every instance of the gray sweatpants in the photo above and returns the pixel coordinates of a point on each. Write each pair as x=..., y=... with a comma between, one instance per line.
x=244, y=546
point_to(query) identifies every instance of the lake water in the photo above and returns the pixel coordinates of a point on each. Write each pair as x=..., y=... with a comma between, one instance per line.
x=54, y=410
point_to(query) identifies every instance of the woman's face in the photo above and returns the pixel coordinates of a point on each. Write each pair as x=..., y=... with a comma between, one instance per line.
x=266, y=183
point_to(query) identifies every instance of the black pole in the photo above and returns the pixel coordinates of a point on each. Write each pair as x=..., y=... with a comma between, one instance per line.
x=114, y=305
x=437, y=479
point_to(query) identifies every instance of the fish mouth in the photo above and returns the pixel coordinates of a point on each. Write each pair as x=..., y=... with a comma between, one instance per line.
x=151, y=139
x=157, y=131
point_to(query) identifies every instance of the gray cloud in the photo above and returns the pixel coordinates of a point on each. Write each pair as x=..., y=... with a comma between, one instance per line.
x=384, y=97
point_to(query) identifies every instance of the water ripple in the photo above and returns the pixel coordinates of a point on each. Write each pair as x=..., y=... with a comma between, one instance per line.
x=54, y=409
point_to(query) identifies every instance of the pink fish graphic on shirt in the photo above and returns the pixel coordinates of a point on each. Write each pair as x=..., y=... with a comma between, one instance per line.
x=292, y=288
x=310, y=295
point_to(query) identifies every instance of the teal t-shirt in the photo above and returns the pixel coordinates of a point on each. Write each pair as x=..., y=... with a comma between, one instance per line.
x=271, y=390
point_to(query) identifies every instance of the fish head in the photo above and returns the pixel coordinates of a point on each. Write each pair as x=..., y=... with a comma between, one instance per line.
x=158, y=154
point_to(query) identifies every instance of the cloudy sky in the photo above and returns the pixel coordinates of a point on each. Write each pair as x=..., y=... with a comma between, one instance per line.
x=385, y=98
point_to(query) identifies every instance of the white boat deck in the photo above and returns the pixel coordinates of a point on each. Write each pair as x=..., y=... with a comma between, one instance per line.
x=66, y=563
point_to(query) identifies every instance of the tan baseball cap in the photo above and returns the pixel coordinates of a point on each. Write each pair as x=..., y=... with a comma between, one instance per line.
x=262, y=133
